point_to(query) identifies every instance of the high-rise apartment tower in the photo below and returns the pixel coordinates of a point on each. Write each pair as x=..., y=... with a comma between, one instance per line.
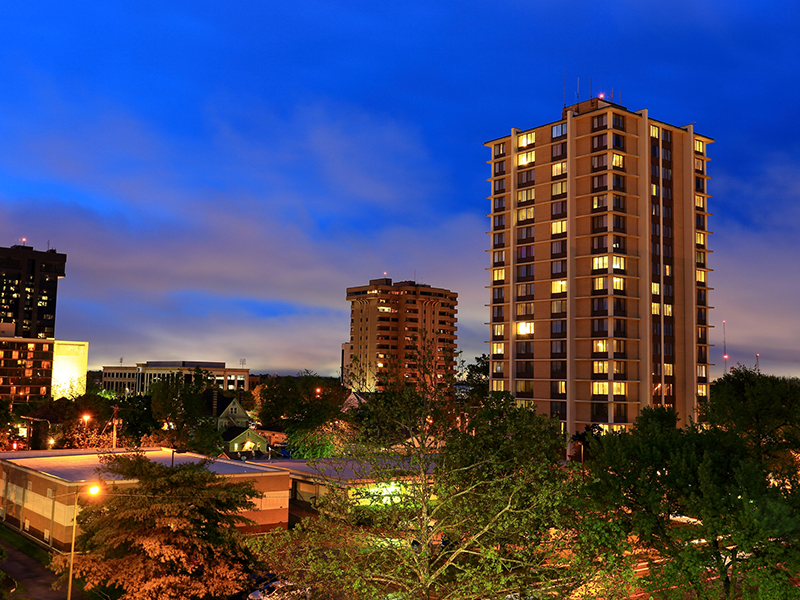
x=403, y=329
x=28, y=286
x=599, y=265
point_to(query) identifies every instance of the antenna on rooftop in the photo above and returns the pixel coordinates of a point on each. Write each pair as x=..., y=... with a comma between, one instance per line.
x=591, y=93
x=242, y=362
x=724, y=347
x=120, y=360
x=578, y=91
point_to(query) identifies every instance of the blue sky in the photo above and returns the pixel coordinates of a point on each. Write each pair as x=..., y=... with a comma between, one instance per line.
x=219, y=172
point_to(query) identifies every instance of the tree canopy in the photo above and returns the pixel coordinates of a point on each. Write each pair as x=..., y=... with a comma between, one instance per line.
x=711, y=521
x=435, y=511
x=764, y=410
x=172, y=536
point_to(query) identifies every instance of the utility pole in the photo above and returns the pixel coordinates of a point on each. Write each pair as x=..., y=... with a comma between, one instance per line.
x=114, y=428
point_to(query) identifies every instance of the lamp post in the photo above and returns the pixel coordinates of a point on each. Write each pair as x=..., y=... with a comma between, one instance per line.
x=94, y=490
x=86, y=430
x=176, y=451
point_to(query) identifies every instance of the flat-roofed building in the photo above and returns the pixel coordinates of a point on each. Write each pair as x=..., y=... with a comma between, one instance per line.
x=40, y=368
x=396, y=326
x=131, y=380
x=38, y=489
x=28, y=287
x=599, y=270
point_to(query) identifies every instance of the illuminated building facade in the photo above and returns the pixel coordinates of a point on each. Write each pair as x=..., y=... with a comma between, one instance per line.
x=599, y=265
x=28, y=286
x=403, y=329
x=35, y=368
x=132, y=380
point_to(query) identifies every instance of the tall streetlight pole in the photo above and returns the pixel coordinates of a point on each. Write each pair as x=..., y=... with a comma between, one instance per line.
x=94, y=490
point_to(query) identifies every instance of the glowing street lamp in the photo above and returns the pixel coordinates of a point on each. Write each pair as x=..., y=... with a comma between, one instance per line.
x=93, y=491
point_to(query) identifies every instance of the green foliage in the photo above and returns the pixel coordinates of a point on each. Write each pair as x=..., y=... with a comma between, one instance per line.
x=172, y=536
x=764, y=410
x=479, y=512
x=304, y=401
x=177, y=400
x=710, y=519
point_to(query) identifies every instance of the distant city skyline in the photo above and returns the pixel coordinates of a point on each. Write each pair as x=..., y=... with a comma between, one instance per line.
x=219, y=174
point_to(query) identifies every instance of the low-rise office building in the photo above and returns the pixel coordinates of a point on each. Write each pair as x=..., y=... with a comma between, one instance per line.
x=39, y=487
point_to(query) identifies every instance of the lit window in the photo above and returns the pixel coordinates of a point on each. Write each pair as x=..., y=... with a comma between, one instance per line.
x=524, y=289
x=600, y=263
x=668, y=310
x=559, y=286
x=525, y=214
x=525, y=328
x=669, y=369
x=600, y=367
x=656, y=308
x=654, y=189
x=619, y=283
x=667, y=270
x=526, y=158
x=619, y=388
x=559, y=168
x=558, y=307
x=618, y=263
x=500, y=149
x=600, y=346
x=702, y=389
x=618, y=161
x=699, y=201
x=498, y=348
x=701, y=276
x=653, y=131
x=498, y=274
x=526, y=139
x=599, y=202
x=526, y=195
x=499, y=330
x=557, y=227
x=699, y=146
x=700, y=238
x=498, y=385
x=599, y=283
x=656, y=288
x=559, y=130
x=524, y=308
x=600, y=388
x=561, y=387
x=702, y=371
x=558, y=188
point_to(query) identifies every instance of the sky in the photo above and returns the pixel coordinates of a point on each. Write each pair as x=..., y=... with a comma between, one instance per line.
x=218, y=173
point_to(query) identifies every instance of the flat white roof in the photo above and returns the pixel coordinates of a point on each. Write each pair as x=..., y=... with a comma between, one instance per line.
x=82, y=465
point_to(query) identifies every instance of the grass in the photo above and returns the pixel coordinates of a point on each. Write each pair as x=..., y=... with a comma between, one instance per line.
x=24, y=545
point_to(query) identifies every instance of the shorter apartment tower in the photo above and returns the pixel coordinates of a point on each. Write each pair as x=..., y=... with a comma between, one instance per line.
x=599, y=265
x=394, y=329
x=28, y=286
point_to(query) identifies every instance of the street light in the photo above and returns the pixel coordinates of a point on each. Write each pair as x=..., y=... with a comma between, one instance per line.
x=93, y=490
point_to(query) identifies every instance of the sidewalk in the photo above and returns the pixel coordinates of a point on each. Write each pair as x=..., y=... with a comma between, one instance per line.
x=34, y=580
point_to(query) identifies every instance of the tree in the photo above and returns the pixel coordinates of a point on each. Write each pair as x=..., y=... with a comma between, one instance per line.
x=178, y=403
x=764, y=410
x=173, y=536
x=446, y=513
x=476, y=378
x=309, y=407
x=709, y=519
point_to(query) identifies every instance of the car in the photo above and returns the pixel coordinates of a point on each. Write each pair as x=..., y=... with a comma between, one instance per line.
x=278, y=589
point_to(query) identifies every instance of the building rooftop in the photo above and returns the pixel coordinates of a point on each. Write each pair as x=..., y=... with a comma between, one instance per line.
x=82, y=464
